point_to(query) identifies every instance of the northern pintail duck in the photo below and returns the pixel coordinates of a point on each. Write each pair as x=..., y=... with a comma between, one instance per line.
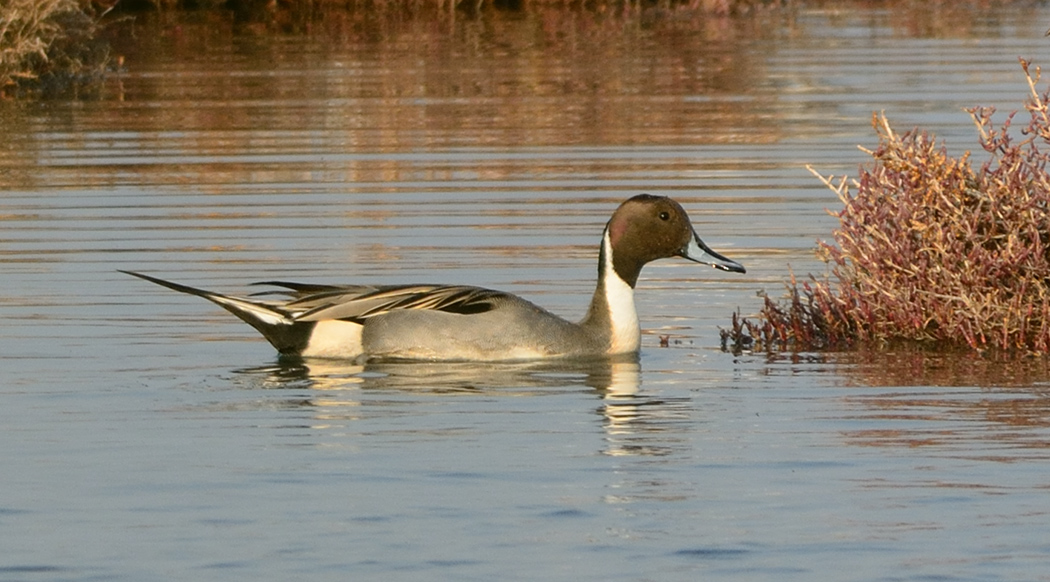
x=459, y=322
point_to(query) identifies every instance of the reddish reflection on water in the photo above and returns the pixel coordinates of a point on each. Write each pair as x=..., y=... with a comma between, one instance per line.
x=987, y=406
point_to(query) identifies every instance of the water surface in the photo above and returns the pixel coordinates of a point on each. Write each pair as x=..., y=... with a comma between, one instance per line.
x=150, y=435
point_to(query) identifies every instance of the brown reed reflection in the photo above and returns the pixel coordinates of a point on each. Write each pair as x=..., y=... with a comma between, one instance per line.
x=391, y=79
x=401, y=80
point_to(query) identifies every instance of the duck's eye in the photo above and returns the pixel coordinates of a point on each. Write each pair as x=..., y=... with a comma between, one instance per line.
x=665, y=216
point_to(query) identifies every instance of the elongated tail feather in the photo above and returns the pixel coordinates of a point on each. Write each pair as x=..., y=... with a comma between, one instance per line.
x=275, y=324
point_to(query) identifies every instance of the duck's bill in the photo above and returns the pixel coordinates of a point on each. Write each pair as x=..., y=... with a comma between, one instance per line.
x=697, y=251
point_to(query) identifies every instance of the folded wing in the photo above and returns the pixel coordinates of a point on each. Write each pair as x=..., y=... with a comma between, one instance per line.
x=357, y=303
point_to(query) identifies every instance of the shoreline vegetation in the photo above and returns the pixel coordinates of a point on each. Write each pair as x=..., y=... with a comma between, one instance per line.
x=50, y=47
x=930, y=251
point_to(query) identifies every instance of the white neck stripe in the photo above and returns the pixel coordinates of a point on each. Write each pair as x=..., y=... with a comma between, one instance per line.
x=619, y=297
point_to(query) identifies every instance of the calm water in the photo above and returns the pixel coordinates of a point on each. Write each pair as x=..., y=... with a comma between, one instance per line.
x=148, y=435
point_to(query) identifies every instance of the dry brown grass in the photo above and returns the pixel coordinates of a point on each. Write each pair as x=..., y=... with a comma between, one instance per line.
x=931, y=249
x=47, y=45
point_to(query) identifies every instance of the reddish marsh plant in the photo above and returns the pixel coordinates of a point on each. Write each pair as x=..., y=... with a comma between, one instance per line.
x=929, y=248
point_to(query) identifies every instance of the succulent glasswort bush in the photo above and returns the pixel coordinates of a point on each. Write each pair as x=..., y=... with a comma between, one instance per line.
x=930, y=248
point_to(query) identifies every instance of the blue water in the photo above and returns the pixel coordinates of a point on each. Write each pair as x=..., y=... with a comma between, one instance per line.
x=149, y=435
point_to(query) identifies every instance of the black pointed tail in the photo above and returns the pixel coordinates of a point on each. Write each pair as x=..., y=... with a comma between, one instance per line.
x=278, y=326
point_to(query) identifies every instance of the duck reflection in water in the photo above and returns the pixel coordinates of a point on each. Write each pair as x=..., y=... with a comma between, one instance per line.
x=634, y=422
